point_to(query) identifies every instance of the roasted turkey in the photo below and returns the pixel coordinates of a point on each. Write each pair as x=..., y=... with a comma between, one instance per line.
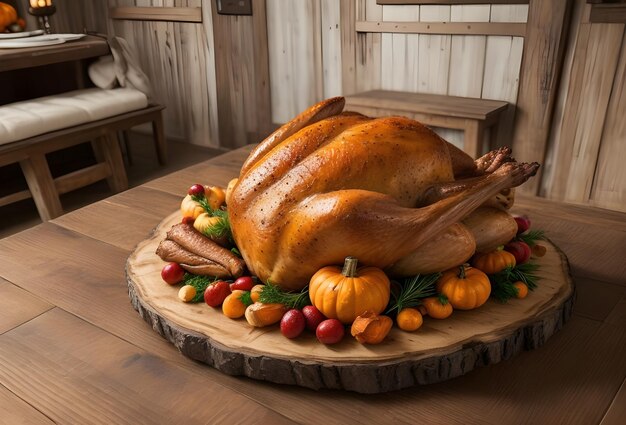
x=389, y=191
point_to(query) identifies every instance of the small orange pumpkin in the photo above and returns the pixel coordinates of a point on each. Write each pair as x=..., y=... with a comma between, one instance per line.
x=437, y=307
x=466, y=287
x=522, y=289
x=409, y=319
x=8, y=15
x=348, y=293
x=494, y=261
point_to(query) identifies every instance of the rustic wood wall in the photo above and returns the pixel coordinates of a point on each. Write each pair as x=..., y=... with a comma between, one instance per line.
x=588, y=142
x=474, y=66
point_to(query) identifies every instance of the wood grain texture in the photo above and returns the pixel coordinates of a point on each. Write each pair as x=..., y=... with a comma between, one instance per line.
x=468, y=28
x=137, y=386
x=330, y=30
x=368, y=50
x=447, y=2
x=599, y=234
x=14, y=410
x=178, y=60
x=242, y=76
x=133, y=222
x=290, y=29
x=87, y=47
x=608, y=13
x=617, y=411
x=609, y=183
x=540, y=70
x=593, y=71
x=171, y=14
x=18, y=306
x=488, y=335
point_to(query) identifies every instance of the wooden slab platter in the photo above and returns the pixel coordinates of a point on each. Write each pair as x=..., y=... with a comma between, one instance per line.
x=439, y=350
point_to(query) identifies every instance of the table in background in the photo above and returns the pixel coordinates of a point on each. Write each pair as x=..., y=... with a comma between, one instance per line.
x=72, y=349
x=32, y=72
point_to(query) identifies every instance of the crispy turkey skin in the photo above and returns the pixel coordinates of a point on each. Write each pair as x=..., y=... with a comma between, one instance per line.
x=328, y=185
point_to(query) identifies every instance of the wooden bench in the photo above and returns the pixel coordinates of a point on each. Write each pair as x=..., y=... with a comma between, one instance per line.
x=473, y=116
x=31, y=153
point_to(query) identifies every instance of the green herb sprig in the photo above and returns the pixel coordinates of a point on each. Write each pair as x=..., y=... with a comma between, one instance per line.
x=413, y=290
x=531, y=237
x=222, y=227
x=203, y=202
x=272, y=294
x=502, y=288
x=200, y=283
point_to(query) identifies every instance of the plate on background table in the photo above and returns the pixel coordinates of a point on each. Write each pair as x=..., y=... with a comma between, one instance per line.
x=21, y=34
x=20, y=44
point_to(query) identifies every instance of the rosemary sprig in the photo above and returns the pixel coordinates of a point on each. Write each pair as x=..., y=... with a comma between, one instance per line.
x=200, y=283
x=531, y=237
x=219, y=229
x=502, y=288
x=413, y=290
x=222, y=227
x=272, y=294
x=246, y=298
x=203, y=202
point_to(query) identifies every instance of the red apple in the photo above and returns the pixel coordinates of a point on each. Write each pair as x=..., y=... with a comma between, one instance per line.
x=245, y=283
x=330, y=331
x=520, y=250
x=172, y=273
x=216, y=293
x=523, y=223
x=196, y=190
x=313, y=317
x=292, y=324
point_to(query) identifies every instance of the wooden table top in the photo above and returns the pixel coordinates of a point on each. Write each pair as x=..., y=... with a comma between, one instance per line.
x=73, y=350
x=28, y=57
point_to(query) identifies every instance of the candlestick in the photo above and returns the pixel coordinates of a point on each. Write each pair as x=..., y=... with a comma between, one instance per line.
x=42, y=9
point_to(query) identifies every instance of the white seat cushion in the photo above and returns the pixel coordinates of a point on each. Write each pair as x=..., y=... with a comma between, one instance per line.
x=29, y=118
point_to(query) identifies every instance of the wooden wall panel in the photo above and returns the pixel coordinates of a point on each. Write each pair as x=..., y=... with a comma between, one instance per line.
x=291, y=42
x=609, y=185
x=591, y=83
x=540, y=72
x=467, y=53
x=368, y=48
x=400, y=52
x=331, y=48
x=242, y=76
x=173, y=56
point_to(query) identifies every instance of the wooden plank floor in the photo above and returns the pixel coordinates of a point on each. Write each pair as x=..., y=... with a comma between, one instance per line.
x=73, y=350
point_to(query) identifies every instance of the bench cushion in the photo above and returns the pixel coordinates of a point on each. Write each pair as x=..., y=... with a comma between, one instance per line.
x=29, y=118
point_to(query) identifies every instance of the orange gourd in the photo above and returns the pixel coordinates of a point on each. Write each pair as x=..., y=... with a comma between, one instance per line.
x=234, y=305
x=348, y=293
x=437, y=307
x=522, y=289
x=494, y=261
x=370, y=328
x=409, y=319
x=8, y=15
x=465, y=287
